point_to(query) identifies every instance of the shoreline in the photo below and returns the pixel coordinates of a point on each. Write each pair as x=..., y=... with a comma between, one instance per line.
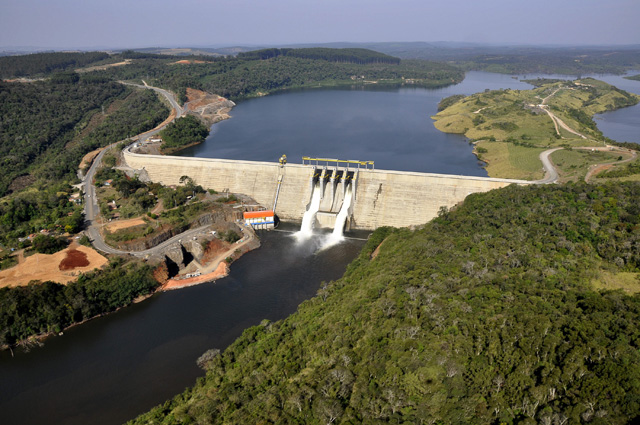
x=250, y=242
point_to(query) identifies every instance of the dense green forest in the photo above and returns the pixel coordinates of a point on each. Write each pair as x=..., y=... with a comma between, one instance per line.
x=185, y=131
x=50, y=307
x=46, y=127
x=359, y=56
x=516, y=59
x=44, y=63
x=238, y=78
x=38, y=119
x=30, y=211
x=486, y=315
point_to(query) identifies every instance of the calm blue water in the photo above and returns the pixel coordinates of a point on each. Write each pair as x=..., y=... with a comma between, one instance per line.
x=622, y=125
x=113, y=368
x=391, y=126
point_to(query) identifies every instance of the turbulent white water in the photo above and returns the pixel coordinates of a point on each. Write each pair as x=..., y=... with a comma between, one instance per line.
x=309, y=218
x=337, y=235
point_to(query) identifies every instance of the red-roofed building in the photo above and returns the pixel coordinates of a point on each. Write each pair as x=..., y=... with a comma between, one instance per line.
x=260, y=219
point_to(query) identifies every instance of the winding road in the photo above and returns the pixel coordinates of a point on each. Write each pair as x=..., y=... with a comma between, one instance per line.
x=551, y=173
x=91, y=208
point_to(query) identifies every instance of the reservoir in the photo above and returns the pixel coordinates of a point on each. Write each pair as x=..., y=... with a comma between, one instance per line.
x=115, y=367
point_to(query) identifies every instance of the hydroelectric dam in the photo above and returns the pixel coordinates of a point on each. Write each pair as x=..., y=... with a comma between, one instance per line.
x=331, y=190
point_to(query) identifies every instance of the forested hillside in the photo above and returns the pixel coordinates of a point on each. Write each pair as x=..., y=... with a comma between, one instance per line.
x=46, y=127
x=238, y=78
x=38, y=119
x=487, y=315
x=183, y=132
x=44, y=63
x=360, y=56
x=40, y=308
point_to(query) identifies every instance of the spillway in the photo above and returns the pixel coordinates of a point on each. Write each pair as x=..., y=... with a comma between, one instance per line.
x=309, y=218
x=338, y=231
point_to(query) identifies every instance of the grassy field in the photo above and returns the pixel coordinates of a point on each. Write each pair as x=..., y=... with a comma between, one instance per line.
x=507, y=160
x=512, y=129
x=574, y=164
x=628, y=282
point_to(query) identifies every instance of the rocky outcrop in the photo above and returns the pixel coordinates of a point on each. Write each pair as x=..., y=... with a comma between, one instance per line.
x=210, y=108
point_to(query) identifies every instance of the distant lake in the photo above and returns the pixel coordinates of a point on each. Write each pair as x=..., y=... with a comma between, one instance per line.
x=622, y=125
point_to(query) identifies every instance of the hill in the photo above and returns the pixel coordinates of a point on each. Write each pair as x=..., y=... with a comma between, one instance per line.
x=466, y=320
x=262, y=72
x=511, y=127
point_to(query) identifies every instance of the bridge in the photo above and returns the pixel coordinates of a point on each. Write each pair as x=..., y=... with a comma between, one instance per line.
x=379, y=197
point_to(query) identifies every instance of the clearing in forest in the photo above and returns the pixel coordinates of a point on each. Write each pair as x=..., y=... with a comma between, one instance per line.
x=62, y=267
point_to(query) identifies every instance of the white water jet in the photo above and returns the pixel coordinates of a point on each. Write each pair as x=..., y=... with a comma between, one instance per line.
x=337, y=235
x=309, y=218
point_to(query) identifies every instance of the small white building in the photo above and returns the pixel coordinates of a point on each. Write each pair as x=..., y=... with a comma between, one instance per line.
x=260, y=219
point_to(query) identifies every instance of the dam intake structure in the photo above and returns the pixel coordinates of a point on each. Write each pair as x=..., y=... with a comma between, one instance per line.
x=377, y=197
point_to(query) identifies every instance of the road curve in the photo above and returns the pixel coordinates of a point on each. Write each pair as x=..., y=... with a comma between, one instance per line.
x=91, y=202
x=551, y=174
x=168, y=95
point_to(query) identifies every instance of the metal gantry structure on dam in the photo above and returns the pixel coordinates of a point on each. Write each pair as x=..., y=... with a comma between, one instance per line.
x=306, y=160
x=334, y=171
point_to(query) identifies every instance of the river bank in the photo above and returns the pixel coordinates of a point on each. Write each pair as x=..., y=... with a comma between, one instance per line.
x=218, y=267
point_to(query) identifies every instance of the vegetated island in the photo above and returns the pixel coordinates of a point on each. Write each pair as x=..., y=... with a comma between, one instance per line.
x=510, y=128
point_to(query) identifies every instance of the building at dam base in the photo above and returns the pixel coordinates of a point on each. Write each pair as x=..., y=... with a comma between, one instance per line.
x=378, y=197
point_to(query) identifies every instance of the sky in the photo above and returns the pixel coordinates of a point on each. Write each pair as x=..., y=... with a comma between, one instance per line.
x=86, y=24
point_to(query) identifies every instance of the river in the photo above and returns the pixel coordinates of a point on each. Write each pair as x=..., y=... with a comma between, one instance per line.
x=115, y=367
x=111, y=369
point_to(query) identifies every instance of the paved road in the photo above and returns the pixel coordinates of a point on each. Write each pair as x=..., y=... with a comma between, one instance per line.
x=100, y=245
x=168, y=95
x=551, y=174
x=91, y=208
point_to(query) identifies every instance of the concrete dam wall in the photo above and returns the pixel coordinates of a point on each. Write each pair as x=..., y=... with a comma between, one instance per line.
x=380, y=197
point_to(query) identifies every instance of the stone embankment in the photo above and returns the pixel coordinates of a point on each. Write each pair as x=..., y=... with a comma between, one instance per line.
x=208, y=262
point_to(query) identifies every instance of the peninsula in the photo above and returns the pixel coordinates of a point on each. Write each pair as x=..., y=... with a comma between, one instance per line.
x=511, y=128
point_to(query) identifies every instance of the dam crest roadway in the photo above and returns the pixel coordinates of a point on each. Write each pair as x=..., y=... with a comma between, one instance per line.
x=379, y=197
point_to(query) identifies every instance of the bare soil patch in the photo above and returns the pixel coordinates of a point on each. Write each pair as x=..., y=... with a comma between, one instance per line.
x=114, y=226
x=45, y=267
x=88, y=158
x=209, y=107
x=186, y=62
x=221, y=271
x=214, y=249
x=73, y=260
x=103, y=67
x=21, y=182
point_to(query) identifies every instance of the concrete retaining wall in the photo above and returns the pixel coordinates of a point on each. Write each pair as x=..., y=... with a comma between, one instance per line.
x=383, y=198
